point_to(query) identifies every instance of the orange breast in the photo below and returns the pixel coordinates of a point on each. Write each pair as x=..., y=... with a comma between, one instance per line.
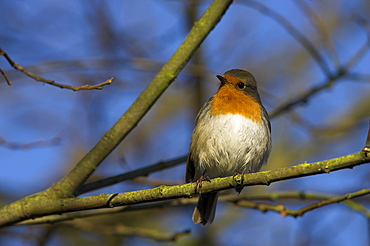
x=228, y=100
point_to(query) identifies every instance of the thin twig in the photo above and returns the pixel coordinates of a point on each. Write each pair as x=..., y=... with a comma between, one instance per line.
x=31, y=145
x=304, y=97
x=357, y=56
x=300, y=212
x=56, y=218
x=156, y=182
x=49, y=81
x=341, y=73
x=5, y=77
x=122, y=230
x=358, y=77
x=302, y=196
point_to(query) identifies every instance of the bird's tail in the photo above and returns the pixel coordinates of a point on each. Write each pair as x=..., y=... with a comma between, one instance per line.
x=205, y=210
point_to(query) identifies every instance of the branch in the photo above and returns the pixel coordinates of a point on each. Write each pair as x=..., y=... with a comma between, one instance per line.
x=244, y=201
x=341, y=72
x=35, y=144
x=304, y=97
x=122, y=230
x=128, y=121
x=357, y=56
x=303, y=196
x=129, y=175
x=48, y=81
x=37, y=206
x=5, y=77
x=300, y=212
x=358, y=77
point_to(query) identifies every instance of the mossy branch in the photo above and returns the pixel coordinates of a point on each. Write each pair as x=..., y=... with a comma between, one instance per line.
x=38, y=206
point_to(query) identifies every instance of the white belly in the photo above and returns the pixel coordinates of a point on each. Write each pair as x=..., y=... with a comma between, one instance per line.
x=230, y=144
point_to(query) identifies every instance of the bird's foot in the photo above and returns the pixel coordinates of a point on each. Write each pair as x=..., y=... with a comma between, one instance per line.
x=198, y=183
x=239, y=179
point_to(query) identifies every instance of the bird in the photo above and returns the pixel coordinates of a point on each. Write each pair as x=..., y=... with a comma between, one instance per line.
x=232, y=135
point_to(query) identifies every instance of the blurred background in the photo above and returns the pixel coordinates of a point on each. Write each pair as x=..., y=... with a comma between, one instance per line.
x=45, y=130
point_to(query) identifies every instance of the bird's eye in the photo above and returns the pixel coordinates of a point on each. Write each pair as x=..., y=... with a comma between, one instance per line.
x=241, y=85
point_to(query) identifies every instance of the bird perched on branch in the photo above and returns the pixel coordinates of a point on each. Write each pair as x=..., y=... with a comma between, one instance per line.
x=232, y=136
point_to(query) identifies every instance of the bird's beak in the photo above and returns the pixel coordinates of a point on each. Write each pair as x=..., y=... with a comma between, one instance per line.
x=223, y=80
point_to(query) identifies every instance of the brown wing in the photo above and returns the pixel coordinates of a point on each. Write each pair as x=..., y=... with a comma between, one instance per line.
x=192, y=173
x=190, y=170
x=264, y=111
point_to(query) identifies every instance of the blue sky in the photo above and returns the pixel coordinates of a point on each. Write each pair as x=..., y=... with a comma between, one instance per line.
x=78, y=42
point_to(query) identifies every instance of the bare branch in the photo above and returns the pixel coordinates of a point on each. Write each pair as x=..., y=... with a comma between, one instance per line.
x=304, y=97
x=357, y=56
x=35, y=144
x=49, y=81
x=300, y=212
x=130, y=175
x=341, y=73
x=122, y=230
x=358, y=77
x=5, y=77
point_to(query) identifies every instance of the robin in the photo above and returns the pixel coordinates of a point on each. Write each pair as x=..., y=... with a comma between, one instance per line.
x=232, y=135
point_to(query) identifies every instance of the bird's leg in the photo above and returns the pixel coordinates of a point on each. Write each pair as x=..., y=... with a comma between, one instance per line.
x=240, y=180
x=198, y=183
